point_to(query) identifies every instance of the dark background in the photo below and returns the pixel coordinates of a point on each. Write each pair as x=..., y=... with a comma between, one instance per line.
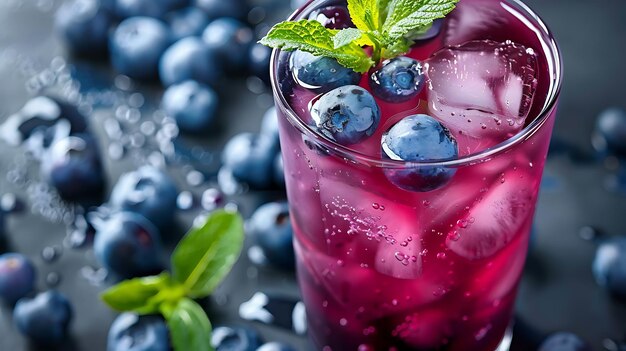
x=558, y=291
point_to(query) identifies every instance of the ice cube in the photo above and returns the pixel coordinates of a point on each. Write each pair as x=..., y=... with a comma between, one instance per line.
x=493, y=221
x=475, y=19
x=482, y=90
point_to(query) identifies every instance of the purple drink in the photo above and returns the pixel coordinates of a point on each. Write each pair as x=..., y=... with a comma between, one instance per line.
x=386, y=264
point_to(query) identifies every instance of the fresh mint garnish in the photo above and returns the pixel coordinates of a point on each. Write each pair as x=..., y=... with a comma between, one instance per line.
x=387, y=26
x=199, y=263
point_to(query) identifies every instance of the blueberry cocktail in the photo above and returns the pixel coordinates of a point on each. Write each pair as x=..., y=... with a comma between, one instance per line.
x=414, y=135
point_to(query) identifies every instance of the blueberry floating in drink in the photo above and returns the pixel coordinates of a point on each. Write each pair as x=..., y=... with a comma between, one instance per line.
x=131, y=332
x=320, y=74
x=250, y=158
x=128, y=245
x=271, y=227
x=347, y=115
x=609, y=266
x=399, y=79
x=420, y=138
x=229, y=40
x=193, y=105
x=84, y=25
x=235, y=338
x=189, y=59
x=187, y=22
x=136, y=46
x=17, y=277
x=149, y=192
x=45, y=318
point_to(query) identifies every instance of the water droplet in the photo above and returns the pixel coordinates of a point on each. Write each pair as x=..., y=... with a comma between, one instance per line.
x=343, y=322
x=482, y=332
x=195, y=178
x=51, y=253
x=185, y=200
x=53, y=279
x=441, y=255
x=375, y=206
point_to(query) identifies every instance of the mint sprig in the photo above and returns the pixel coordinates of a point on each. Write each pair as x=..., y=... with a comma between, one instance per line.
x=199, y=263
x=387, y=26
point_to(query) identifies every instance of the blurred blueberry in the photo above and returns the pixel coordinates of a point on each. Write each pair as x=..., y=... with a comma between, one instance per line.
x=137, y=45
x=130, y=332
x=187, y=22
x=271, y=227
x=235, y=339
x=17, y=277
x=230, y=40
x=333, y=17
x=259, y=61
x=84, y=25
x=250, y=158
x=564, y=342
x=320, y=74
x=221, y=8
x=432, y=32
x=279, y=170
x=128, y=245
x=610, y=133
x=419, y=138
x=149, y=8
x=269, y=126
x=192, y=104
x=149, y=192
x=398, y=80
x=189, y=59
x=74, y=167
x=275, y=346
x=44, y=319
x=609, y=266
x=346, y=115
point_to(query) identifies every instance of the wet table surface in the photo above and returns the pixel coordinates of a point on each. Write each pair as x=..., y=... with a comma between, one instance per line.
x=557, y=292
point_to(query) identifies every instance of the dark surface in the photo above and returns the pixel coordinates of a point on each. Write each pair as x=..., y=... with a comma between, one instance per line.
x=558, y=291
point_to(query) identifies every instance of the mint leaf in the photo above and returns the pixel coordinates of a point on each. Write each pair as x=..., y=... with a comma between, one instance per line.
x=311, y=36
x=189, y=326
x=406, y=16
x=365, y=14
x=206, y=254
x=346, y=36
x=135, y=294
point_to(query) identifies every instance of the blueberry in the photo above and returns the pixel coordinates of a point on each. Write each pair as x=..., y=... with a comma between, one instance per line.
x=432, y=32
x=564, y=342
x=398, y=80
x=419, y=138
x=220, y=8
x=149, y=8
x=137, y=45
x=235, y=339
x=279, y=170
x=230, y=40
x=44, y=319
x=189, y=58
x=128, y=245
x=320, y=74
x=130, y=332
x=74, y=167
x=250, y=158
x=269, y=126
x=17, y=277
x=347, y=115
x=275, y=346
x=610, y=132
x=149, y=192
x=271, y=227
x=333, y=17
x=609, y=266
x=84, y=25
x=187, y=22
x=259, y=58
x=192, y=104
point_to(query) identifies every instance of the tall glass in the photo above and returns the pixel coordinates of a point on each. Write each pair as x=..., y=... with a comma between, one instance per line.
x=385, y=268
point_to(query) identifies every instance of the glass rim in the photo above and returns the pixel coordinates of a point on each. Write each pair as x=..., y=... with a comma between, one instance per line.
x=549, y=48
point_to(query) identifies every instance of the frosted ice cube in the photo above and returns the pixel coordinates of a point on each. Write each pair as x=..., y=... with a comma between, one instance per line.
x=482, y=90
x=493, y=221
x=475, y=19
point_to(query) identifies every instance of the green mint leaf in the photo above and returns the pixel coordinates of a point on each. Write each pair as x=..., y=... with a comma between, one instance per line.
x=206, y=254
x=397, y=48
x=136, y=294
x=365, y=14
x=346, y=36
x=406, y=16
x=311, y=36
x=189, y=326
